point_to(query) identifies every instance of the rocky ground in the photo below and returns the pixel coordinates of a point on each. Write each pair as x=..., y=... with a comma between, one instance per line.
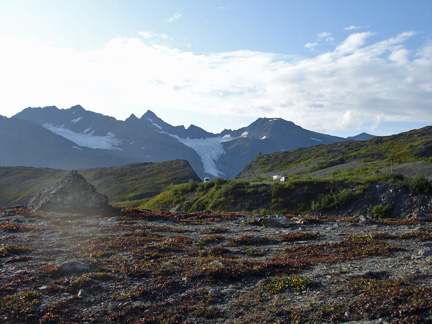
x=145, y=267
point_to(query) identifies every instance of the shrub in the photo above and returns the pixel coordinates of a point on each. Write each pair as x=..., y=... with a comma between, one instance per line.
x=337, y=200
x=380, y=211
x=282, y=283
x=21, y=300
x=299, y=236
x=419, y=184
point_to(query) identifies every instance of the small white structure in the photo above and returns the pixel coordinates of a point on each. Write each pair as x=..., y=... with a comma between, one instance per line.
x=276, y=177
x=206, y=179
x=283, y=179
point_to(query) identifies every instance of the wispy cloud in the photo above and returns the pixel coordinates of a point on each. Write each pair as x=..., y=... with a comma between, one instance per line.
x=311, y=45
x=357, y=84
x=173, y=18
x=352, y=27
x=326, y=36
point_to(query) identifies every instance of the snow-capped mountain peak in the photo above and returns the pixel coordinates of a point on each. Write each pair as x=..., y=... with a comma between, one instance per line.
x=97, y=140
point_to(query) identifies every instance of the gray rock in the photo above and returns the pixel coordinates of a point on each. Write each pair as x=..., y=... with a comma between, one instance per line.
x=300, y=220
x=71, y=194
x=373, y=274
x=364, y=220
x=213, y=292
x=419, y=215
x=256, y=240
x=426, y=252
x=72, y=267
x=277, y=221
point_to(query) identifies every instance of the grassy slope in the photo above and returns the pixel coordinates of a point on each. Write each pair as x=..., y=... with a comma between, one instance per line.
x=294, y=197
x=133, y=181
x=408, y=153
x=321, y=178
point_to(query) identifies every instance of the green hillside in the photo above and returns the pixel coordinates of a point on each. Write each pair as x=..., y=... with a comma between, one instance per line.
x=406, y=153
x=128, y=182
x=381, y=174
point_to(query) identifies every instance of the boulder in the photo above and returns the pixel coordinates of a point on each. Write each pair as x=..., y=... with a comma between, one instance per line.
x=72, y=267
x=277, y=221
x=71, y=194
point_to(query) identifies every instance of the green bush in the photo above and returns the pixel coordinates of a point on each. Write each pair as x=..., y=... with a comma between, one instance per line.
x=380, y=211
x=337, y=200
x=282, y=283
x=419, y=184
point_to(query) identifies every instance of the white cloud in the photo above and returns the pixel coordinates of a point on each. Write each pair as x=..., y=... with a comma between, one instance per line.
x=353, y=42
x=326, y=36
x=323, y=37
x=174, y=17
x=311, y=45
x=352, y=27
x=358, y=84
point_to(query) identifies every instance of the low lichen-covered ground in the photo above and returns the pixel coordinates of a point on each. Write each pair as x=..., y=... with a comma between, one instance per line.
x=148, y=267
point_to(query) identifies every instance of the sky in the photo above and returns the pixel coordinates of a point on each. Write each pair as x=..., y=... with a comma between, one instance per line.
x=339, y=67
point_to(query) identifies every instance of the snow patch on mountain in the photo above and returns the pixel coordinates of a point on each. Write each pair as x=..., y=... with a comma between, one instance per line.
x=154, y=124
x=76, y=120
x=107, y=142
x=316, y=139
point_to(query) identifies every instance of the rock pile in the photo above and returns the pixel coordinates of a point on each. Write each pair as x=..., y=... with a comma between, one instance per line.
x=71, y=194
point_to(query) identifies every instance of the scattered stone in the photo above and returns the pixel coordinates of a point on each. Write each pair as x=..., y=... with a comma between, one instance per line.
x=213, y=292
x=364, y=220
x=138, y=304
x=418, y=215
x=376, y=321
x=277, y=221
x=252, y=222
x=256, y=240
x=368, y=274
x=300, y=220
x=71, y=194
x=72, y=267
x=216, y=264
x=425, y=252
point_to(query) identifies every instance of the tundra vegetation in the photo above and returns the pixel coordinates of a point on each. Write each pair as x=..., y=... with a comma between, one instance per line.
x=212, y=267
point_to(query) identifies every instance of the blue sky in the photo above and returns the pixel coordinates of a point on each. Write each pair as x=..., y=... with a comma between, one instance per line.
x=337, y=66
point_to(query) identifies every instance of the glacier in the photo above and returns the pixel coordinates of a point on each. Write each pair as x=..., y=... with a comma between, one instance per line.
x=107, y=142
x=210, y=149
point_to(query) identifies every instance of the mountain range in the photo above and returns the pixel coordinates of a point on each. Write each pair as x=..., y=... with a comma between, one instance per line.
x=76, y=138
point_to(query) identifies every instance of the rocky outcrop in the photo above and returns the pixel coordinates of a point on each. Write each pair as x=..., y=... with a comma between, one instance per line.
x=71, y=194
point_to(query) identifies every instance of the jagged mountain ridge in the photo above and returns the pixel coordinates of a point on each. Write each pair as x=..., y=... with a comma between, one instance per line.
x=96, y=140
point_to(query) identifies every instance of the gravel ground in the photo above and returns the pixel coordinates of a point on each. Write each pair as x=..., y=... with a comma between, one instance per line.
x=143, y=267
